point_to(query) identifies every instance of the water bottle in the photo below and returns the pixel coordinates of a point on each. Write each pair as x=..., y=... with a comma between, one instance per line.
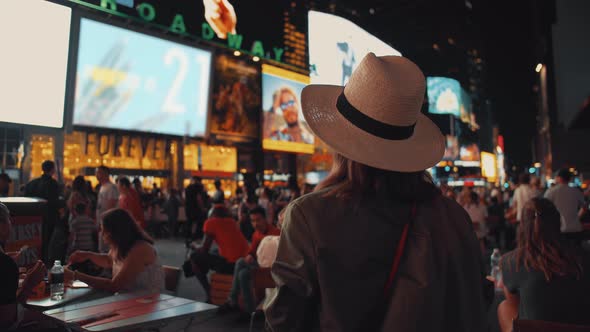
x=495, y=265
x=57, y=281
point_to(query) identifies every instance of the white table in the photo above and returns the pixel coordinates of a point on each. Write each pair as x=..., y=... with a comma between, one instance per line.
x=124, y=312
x=71, y=294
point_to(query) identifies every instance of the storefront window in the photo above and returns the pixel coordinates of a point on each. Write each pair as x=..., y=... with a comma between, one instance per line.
x=212, y=163
x=42, y=148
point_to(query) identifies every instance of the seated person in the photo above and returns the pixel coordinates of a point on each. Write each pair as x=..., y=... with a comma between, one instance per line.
x=224, y=230
x=545, y=276
x=10, y=292
x=132, y=257
x=244, y=266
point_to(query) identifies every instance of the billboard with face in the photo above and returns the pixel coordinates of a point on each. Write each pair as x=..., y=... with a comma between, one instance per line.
x=285, y=128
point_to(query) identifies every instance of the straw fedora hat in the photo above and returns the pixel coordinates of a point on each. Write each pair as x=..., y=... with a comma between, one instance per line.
x=375, y=119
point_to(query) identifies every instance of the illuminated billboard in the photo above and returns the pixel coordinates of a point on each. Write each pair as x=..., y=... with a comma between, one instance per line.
x=236, y=99
x=132, y=81
x=444, y=96
x=284, y=128
x=469, y=152
x=34, y=62
x=489, y=166
x=337, y=46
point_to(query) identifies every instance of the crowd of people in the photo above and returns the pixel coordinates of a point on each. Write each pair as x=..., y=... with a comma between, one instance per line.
x=496, y=214
x=375, y=246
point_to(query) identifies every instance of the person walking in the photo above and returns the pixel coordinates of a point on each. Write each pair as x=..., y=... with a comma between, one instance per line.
x=108, y=198
x=376, y=246
x=569, y=202
x=46, y=187
x=196, y=203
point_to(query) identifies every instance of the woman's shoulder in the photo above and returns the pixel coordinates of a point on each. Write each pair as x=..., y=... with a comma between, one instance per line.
x=143, y=249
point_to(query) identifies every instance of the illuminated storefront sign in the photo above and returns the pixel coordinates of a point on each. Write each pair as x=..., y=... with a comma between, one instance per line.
x=123, y=151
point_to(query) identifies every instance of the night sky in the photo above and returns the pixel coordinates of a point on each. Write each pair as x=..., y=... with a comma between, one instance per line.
x=502, y=31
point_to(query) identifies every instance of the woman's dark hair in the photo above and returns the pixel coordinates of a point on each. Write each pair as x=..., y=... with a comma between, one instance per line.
x=350, y=179
x=251, y=196
x=123, y=231
x=79, y=184
x=258, y=210
x=268, y=192
x=124, y=181
x=80, y=208
x=540, y=244
x=220, y=211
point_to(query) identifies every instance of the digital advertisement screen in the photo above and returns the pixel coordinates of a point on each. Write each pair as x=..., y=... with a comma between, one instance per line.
x=444, y=96
x=452, y=148
x=284, y=128
x=469, y=152
x=489, y=166
x=236, y=98
x=131, y=81
x=34, y=62
x=337, y=46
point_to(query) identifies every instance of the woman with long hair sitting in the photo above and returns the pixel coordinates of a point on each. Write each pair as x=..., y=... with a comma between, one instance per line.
x=546, y=277
x=132, y=257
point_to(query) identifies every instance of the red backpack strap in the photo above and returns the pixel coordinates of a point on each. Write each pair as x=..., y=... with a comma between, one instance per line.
x=399, y=253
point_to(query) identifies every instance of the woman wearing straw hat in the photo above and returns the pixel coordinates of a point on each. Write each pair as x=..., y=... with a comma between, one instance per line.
x=376, y=247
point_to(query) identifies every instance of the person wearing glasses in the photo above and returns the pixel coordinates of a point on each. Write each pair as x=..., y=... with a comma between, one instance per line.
x=292, y=131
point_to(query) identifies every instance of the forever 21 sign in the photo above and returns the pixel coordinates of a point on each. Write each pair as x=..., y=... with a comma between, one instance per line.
x=127, y=146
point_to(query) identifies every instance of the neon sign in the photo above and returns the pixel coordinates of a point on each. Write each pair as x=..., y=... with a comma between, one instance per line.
x=147, y=12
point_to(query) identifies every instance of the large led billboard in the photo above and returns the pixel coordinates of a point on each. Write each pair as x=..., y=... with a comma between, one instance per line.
x=34, y=62
x=284, y=128
x=444, y=96
x=132, y=81
x=337, y=46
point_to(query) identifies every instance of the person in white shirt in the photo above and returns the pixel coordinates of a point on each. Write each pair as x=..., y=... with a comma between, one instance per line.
x=522, y=195
x=478, y=213
x=108, y=198
x=569, y=202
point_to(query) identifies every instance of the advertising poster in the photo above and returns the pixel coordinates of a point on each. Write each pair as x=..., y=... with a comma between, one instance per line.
x=284, y=128
x=236, y=99
x=444, y=96
x=131, y=81
x=337, y=46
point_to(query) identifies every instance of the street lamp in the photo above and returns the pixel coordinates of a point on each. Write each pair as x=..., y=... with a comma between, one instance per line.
x=539, y=67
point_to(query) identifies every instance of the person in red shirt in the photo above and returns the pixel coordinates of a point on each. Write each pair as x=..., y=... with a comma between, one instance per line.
x=244, y=266
x=129, y=200
x=225, y=231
